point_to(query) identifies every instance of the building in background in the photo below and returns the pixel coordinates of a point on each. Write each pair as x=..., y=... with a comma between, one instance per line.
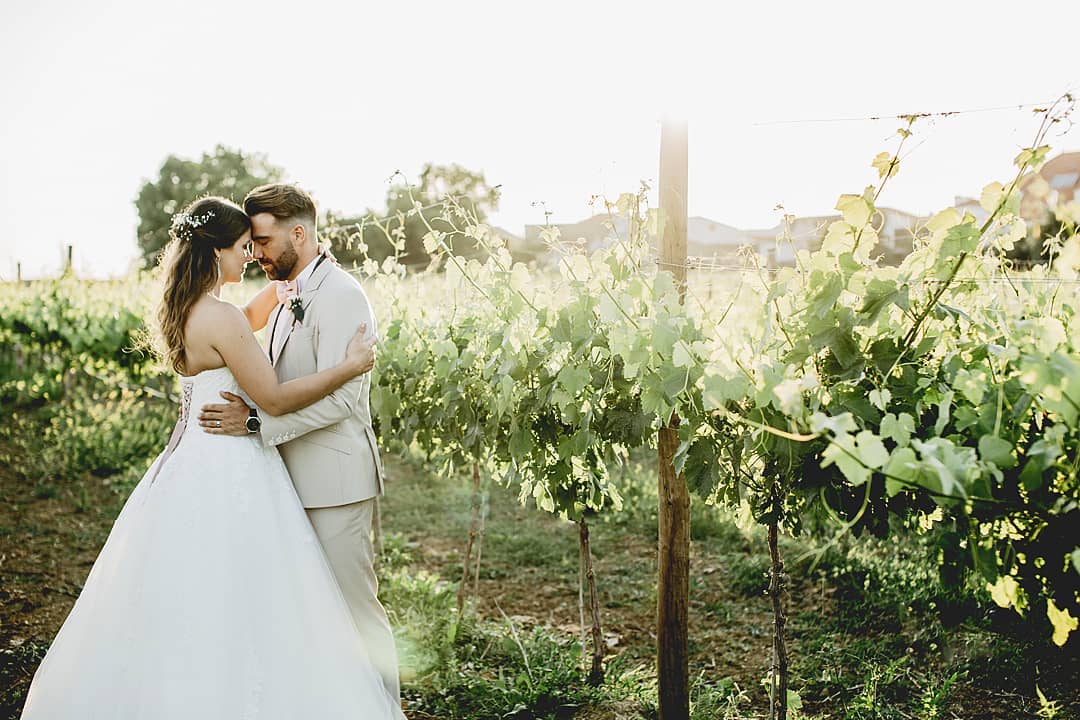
x=1055, y=186
x=722, y=244
x=896, y=233
x=705, y=238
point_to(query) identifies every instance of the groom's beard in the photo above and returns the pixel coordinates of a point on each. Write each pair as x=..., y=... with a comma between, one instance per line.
x=281, y=268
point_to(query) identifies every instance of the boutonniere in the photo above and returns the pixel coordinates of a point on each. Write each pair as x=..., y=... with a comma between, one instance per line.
x=296, y=307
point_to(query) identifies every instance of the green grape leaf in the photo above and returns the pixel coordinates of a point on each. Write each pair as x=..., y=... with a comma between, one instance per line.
x=1006, y=592
x=654, y=402
x=902, y=466
x=991, y=196
x=680, y=357
x=944, y=408
x=880, y=398
x=959, y=238
x=664, y=336
x=1032, y=475
x=879, y=293
x=1033, y=158
x=702, y=467
x=946, y=468
x=717, y=390
x=898, y=428
x=521, y=443
x=883, y=163
x=871, y=450
x=836, y=424
x=673, y=381
x=608, y=310
x=1063, y=622
x=843, y=452
x=855, y=209
x=573, y=379
x=997, y=450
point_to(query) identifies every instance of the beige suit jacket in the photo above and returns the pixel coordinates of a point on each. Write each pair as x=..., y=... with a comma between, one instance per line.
x=329, y=446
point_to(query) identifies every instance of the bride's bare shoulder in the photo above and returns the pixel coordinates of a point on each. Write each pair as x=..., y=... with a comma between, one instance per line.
x=210, y=315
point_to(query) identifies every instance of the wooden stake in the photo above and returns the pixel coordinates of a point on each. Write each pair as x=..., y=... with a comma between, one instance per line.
x=596, y=672
x=581, y=601
x=778, y=685
x=484, y=509
x=673, y=582
x=472, y=538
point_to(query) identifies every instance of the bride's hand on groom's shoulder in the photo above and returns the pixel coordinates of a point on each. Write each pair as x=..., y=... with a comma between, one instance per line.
x=325, y=250
x=361, y=350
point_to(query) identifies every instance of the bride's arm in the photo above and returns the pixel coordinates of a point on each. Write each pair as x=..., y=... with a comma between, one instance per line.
x=258, y=308
x=237, y=346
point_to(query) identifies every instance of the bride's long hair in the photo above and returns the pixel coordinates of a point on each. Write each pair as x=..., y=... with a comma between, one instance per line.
x=190, y=269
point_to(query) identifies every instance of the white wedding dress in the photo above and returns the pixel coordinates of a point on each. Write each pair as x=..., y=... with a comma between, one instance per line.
x=212, y=599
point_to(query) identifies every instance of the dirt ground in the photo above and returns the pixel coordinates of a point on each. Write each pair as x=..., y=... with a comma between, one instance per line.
x=50, y=535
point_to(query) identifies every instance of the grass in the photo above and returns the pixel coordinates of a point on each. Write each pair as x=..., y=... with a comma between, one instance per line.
x=17, y=665
x=865, y=641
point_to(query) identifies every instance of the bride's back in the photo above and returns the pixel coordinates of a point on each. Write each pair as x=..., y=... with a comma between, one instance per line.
x=207, y=248
x=200, y=337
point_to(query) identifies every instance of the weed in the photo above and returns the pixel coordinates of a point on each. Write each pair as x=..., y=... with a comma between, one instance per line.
x=17, y=666
x=747, y=574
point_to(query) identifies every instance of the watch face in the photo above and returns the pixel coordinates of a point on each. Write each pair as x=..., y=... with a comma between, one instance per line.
x=253, y=424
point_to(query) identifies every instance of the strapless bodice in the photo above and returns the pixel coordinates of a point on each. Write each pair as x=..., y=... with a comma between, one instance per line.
x=204, y=388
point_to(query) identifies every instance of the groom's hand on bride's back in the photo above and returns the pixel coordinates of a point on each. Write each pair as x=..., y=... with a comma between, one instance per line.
x=229, y=418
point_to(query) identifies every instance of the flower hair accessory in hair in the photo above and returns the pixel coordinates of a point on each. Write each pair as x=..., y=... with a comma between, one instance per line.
x=183, y=223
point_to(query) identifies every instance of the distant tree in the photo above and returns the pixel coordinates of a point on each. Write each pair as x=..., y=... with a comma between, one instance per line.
x=225, y=172
x=436, y=182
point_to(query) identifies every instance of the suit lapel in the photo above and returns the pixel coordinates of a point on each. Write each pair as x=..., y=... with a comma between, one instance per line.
x=318, y=274
x=277, y=340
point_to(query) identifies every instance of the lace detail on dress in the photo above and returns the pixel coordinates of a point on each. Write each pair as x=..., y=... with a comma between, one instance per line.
x=185, y=408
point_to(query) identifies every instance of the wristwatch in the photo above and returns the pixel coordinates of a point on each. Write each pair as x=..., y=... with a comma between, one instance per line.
x=253, y=422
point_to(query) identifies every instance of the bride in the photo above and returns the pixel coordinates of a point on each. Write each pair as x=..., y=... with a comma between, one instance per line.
x=212, y=597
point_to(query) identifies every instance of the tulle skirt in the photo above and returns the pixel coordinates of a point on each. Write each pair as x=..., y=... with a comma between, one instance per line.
x=211, y=599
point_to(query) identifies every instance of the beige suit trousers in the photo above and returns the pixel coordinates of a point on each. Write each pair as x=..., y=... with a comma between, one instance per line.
x=345, y=534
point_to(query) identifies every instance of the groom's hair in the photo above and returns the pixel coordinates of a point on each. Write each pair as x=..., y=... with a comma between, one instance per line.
x=284, y=202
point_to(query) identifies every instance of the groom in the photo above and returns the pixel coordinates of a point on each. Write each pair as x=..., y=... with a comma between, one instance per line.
x=329, y=447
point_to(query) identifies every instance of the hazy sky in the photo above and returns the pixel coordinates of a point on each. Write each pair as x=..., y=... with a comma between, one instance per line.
x=555, y=101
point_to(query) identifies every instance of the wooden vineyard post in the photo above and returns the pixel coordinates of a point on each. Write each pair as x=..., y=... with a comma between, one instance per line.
x=484, y=509
x=673, y=582
x=472, y=538
x=596, y=671
x=778, y=680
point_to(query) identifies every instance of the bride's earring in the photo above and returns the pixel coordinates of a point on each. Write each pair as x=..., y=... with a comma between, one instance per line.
x=219, y=268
